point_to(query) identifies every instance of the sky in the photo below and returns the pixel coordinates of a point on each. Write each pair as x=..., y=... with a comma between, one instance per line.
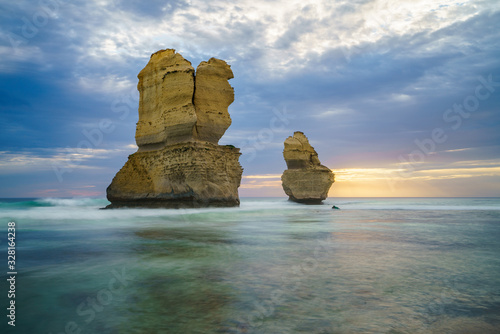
x=399, y=98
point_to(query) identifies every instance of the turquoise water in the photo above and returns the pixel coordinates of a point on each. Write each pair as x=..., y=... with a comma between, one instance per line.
x=411, y=265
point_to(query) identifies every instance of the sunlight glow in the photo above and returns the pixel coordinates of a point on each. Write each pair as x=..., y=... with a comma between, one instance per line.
x=387, y=182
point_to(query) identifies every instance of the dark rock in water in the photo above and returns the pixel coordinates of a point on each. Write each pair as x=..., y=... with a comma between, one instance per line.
x=181, y=119
x=305, y=180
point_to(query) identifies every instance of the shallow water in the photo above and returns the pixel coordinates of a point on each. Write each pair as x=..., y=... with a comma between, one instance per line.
x=271, y=266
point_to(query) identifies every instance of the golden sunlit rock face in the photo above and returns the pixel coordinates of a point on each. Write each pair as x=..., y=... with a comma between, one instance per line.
x=182, y=116
x=305, y=180
x=177, y=106
x=166, y=111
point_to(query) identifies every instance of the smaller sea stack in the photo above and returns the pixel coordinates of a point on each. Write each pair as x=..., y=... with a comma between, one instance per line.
x=306, y=180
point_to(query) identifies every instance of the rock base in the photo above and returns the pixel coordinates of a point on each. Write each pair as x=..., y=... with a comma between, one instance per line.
x=186, y=175
x=172, y=204
x=309, y=186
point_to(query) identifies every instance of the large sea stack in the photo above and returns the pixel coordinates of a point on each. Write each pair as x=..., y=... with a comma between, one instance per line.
x=306, y=180
x=182, y=116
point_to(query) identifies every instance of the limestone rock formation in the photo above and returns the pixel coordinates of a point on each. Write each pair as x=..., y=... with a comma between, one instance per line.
x=166, y=111
x=182, y=116
x=305, y=180
x=212, y=97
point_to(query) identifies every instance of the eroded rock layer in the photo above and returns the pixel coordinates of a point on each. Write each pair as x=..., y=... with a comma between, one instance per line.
x=305, y=180
x=191, y=174
x=182, y=116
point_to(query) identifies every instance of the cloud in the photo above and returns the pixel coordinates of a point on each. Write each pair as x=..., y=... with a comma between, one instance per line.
x=265, y=176
x=261, y=181
x=48, y=159
x=333, y=112
x=12, y=60
x=458, y=150
x=110, y=84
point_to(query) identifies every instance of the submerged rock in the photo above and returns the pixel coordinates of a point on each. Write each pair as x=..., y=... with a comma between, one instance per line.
x=182, y=116
x=305, y=180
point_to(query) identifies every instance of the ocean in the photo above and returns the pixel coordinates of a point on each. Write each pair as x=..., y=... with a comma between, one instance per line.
x=377, y=265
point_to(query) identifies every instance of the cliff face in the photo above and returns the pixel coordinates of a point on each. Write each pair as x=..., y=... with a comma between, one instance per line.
x=182, y=116
x=305, y=180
